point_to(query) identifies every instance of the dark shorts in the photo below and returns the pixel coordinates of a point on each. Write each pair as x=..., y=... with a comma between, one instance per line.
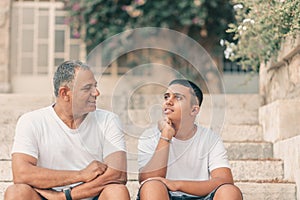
x=95, y=198
x=210, y=196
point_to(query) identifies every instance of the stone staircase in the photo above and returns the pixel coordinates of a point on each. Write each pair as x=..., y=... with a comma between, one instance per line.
x=259, y=175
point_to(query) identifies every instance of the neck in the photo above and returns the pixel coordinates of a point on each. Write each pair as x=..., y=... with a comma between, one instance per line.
x=185, y=132
x=67, y=116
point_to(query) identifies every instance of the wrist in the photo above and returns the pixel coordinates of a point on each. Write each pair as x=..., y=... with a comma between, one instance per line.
x=67, y=193
x=165, y=139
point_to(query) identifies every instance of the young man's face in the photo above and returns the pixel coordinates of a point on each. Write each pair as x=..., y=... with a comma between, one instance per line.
x=84, y=92
x=177, y=102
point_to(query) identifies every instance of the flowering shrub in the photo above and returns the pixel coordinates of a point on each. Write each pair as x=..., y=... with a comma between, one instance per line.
x=100, y=19
x=260, y=28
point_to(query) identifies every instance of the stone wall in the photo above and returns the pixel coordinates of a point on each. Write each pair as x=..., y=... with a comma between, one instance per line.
x=281, y=79
x=5, y=8
x=280, y=116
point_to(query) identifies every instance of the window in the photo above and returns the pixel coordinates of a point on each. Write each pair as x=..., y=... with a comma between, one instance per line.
x=40, y=38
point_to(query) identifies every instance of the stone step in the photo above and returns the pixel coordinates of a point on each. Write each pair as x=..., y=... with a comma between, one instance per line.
x=241, y=133
x=242, y=170
x=3, y=186
x=5, y=170
x=249, y=150
x=235, y=150
x=263, y=191
x=6, y=140
x=250, y=190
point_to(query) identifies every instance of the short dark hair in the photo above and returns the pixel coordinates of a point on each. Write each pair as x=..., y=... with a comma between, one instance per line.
x=195, y=90
x=65, y=73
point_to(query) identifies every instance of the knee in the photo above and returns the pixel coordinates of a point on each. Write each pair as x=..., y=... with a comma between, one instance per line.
x=228, y=191
x=153, y=186
x=115, y=190
x=17, y=191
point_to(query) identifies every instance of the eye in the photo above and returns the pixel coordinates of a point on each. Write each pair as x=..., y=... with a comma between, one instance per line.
x=166, y=97
x=178, y=97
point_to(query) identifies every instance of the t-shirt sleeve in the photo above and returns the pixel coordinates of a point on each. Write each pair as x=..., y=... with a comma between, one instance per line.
x=25, y=140
x=218, y=155
x=146, y=146
x=114, y=137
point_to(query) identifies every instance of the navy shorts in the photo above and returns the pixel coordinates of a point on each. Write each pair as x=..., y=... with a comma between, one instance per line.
x=210, y=196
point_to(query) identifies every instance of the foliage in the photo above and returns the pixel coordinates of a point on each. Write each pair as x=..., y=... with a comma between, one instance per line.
x=261, y=27
x=100, y=19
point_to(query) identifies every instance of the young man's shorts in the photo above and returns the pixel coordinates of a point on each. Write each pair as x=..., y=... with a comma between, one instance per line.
x=210, y=196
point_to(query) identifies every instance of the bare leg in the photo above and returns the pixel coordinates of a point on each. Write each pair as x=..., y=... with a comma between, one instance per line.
x=114, y=191
x=228, y=191
x=154, y=189
x=21, y=191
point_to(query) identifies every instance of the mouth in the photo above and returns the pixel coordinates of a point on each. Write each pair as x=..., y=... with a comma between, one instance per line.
x=168, y=110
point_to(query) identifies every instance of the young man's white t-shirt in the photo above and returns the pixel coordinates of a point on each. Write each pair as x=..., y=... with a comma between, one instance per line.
x=43, y=135
x=191, y=159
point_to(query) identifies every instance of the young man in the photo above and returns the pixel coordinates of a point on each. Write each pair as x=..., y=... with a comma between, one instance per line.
x=181, y=160
x=69, y=150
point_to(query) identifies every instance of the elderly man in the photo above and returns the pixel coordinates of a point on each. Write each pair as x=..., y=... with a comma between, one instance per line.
x=69, y=150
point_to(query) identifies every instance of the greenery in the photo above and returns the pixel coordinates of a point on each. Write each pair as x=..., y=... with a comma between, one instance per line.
x=98, y=20
x=261, y=27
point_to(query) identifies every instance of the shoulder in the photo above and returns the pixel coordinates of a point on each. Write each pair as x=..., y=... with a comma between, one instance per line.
x=36, y=114
x=105, y=114
x=207, y=134
x=150, y=134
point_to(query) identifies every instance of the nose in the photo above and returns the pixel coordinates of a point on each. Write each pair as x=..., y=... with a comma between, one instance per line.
x=169, y=101
x=95, y=92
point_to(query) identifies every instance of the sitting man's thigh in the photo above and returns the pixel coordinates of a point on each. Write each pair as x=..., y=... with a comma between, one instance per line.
x=21, y=191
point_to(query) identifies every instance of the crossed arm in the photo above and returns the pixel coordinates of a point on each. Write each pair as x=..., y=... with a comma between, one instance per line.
x=94, y=177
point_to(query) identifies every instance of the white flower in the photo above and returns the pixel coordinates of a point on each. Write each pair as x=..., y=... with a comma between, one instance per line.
x=248, y=20
x=222, y=42
x=238, y=6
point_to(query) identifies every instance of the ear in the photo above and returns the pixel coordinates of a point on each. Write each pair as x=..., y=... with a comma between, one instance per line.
x=195, y=110
x=64, y=93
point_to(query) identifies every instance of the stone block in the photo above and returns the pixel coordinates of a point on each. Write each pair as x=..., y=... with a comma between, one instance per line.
x=263, y=191
x=289, y=151
x=6, y=140
x=257, y=170
x=294, y=70
x=280, y=119
x=3, y=186
x=247, y=150
x=5, y=170
x=241, y=133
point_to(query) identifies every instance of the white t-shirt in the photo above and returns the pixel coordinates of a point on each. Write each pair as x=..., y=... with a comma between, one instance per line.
x=43, y=135
x=191, y=159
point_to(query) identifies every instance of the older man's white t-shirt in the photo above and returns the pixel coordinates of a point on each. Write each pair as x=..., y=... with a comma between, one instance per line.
x=43, y=135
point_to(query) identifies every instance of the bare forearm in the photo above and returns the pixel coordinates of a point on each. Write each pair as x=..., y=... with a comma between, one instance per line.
x=199, y=188
x=157, y=166
x=95, y=187
x=46, y=178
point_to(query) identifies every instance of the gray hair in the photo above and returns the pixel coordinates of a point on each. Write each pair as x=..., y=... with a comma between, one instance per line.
x=65, y=73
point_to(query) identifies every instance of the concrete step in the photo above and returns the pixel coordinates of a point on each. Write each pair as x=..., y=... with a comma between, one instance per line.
x=250, y=190
x=243, y=170
x=235, y=150
x=3, y=186
x=249, y=150
x=6, y=140
x=257, y=170
x=241, y=133
x=270, y=191
x=5, y=170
